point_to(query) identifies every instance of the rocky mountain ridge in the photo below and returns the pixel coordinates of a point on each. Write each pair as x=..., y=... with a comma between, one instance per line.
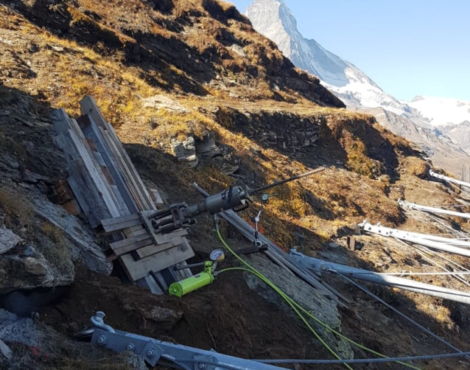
x=274, y=19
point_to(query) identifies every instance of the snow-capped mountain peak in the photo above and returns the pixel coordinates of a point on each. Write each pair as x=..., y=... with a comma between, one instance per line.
x=275, y=20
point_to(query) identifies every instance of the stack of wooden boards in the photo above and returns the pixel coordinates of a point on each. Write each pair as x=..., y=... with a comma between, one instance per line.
x=114, y=198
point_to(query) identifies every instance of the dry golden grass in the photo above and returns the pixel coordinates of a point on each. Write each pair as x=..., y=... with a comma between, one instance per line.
x=415, y=166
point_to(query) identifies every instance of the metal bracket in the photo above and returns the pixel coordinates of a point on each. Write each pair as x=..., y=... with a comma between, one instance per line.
x=154, y=351
x=205, y=358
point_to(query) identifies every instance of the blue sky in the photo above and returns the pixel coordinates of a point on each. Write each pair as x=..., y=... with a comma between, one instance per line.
x=408, y=47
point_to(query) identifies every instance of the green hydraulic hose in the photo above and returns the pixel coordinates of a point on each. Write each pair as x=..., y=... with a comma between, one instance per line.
x=296, y=307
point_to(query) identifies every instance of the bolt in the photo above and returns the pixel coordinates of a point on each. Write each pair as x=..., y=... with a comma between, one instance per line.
x=130, y=347
x=150, y=353
x=101, y=340
x=202, y=366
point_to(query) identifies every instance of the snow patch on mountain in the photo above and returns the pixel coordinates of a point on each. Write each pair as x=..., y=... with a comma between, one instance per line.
x=442, y=111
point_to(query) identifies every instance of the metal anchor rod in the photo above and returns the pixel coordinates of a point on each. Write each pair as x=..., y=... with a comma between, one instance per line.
x=277, y=183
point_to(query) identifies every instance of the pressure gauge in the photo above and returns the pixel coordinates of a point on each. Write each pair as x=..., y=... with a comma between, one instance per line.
x=217, y=255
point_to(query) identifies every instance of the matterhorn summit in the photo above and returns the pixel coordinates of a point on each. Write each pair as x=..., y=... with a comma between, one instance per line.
x=274, y=19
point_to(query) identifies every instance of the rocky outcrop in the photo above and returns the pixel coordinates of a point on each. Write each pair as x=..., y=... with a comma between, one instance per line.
x=25, y=268
x=8, y=239
x=26, y=342
x=80, y=238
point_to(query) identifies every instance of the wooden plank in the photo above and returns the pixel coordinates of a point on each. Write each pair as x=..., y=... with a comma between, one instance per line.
x=92, y=132
x=89, y=107
x=117, y=220
x=152, y=249
x=130, y=233
x=132, y=247
x=73, y=143
x=128, y=180
x=86, y=193
x=136, y=270
x=120, y=226
x=149, y=282
x=61, y=121
x=183, y=273
x=128, y=241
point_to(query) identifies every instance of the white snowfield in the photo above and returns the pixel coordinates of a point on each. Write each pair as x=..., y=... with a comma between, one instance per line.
x=442, y=111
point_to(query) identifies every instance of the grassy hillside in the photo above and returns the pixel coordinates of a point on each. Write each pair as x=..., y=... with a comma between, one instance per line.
x=163, y=71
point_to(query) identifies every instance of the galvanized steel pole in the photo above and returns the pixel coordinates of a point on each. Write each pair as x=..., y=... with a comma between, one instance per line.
x=320, y=266
x=418, y=207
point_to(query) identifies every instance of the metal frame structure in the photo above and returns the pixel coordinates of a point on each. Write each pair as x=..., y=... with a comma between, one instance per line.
x=319, y=266
x=421, y=239
x=155, y=351
x=418, y=207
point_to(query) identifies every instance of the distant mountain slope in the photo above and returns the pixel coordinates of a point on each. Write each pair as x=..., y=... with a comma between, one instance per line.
x=442, y=111
x=275, y=20
x=459, y=134
x=445, y=150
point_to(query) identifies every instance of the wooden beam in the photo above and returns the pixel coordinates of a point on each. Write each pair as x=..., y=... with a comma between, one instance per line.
x=89, y=107
x=136, y=270
x=104, y=155
x=77, y=150
x=152, y=249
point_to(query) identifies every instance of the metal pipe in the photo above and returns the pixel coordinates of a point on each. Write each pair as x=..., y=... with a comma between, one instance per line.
x=418, y=207
x=277, y=183
x=449, y=179
x=406, y=236
x=320, y=266
x=450, y=241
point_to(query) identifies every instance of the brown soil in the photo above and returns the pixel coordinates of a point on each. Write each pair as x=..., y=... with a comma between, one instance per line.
x=226, y=316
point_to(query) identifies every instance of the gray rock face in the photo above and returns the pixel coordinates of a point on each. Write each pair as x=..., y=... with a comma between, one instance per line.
x=55, y=350
x=161, y=101
x=81, y=238
x=303, y=294
x=185, y=151
x=8, y=239
x=460, y=134
x=26, y=268
x=19, y=330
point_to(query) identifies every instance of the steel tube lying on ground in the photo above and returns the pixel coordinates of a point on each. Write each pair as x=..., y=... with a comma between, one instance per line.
x=418, y=207
x=449, y=179
x=413, y=238
x=320, y=266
